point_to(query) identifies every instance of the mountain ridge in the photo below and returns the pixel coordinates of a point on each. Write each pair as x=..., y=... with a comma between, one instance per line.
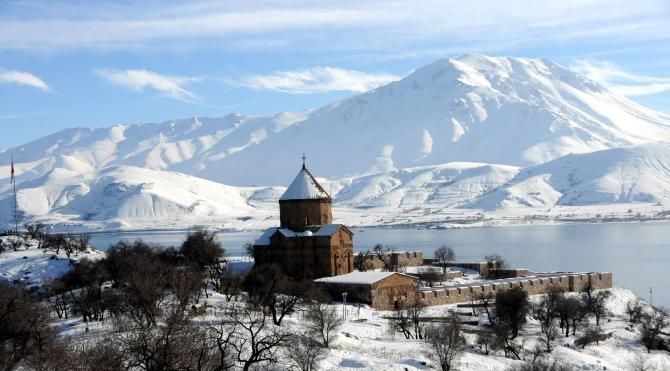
x=457, y=134
x=450, y=110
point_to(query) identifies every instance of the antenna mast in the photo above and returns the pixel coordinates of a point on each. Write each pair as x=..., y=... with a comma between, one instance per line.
x=16, y=218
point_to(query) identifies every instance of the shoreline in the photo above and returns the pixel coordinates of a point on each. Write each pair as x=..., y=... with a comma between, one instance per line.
x=440, y=225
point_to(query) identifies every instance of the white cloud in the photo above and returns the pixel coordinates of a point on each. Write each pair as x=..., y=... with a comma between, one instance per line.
x=361, y=25
x=620, y=81
x=22, y=78
x=319, y=80
x=138, y=80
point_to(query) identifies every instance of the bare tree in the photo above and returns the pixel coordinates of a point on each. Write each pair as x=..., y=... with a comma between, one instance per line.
x=408, y=320
x=592, y=334
x=634, y=311
x=550, y=332
x=173, y=343
x=447, y=343
x=203, y=251
x=542, y=365
x=639, y=363
x=652, y=325
x=486, y=340
x=401, y=323
x=253, y=341
x=305, y=353
x=322, y=322
x=384, y=254
x=363, y=261
x=507, y=318
x=14, y=242
x=34, y=230
x=267, y=286
x=443, y=256
x=25, y=331
x=494, y=263
x=595, y=303
x=230, y=285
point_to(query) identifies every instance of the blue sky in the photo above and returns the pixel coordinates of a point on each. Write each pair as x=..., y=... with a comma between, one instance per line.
x=98, y=63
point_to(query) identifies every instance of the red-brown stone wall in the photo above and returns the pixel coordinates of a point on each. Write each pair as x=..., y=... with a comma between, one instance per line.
x=294, y=213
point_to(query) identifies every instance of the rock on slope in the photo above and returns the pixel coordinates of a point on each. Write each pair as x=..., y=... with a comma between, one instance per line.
x=474, y=108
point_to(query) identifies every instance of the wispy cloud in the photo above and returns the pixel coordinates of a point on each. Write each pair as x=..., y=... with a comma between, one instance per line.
x=319, y=80
x=620, y=81
x=362, y=25
x=139, y=80
x=22, y=78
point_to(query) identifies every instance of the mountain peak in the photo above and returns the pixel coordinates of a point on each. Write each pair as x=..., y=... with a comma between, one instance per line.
x=473, y=108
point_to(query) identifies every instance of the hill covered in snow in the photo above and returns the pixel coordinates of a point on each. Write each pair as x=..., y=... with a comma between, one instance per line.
x=459, y=136
x=636, y=174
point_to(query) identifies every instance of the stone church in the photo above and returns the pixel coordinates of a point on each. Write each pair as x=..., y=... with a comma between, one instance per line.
x=306, y=244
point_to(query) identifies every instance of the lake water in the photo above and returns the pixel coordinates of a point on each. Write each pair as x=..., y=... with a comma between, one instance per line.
x=638, y=254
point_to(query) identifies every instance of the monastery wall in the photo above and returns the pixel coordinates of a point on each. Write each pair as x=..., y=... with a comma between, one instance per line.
x=533, y=285
x=399, y=259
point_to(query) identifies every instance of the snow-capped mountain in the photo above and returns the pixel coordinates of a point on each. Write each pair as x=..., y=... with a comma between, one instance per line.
x=471, y=133
x=619, y=175
x=511, y=111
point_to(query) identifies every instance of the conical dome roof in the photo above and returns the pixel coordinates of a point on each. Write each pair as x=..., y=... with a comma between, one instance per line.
x=304, y=187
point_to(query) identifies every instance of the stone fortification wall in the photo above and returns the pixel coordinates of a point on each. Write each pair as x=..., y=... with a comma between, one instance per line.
x=481, y=267
x=533, y=285
x=398, y=259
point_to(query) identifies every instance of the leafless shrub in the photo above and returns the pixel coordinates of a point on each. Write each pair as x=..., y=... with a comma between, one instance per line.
x=652, y=325
x=447, y=343
x=25, y=331
x=634, y=311
x=443, y=256
x=593, y=334
x=305, y=353
x=322, y=322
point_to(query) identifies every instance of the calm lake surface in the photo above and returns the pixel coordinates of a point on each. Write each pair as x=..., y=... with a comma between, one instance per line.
x=637, y=253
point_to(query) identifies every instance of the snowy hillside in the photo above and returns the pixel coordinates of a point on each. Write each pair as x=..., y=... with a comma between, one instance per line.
x=621, y=175
x=438, y=186
x=474, y=108
x=125, y=196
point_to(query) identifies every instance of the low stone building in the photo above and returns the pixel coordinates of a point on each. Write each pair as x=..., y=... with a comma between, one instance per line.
x=381, y=290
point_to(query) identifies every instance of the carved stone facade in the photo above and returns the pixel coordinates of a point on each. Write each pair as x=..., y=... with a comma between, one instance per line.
x=307, y=244
x=296, y=215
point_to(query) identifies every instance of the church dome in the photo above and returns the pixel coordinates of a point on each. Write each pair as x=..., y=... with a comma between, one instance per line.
x=304, y=187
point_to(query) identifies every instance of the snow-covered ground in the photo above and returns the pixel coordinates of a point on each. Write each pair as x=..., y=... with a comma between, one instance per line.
x=35, y=267
x=364, y=342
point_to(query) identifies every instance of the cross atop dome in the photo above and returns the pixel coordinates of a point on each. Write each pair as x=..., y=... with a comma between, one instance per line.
x=304, y=187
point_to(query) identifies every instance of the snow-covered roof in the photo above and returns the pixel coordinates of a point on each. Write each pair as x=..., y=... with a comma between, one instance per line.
x=359, y=278
x=264, y=239
x=322, y=231
x=304, y=187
